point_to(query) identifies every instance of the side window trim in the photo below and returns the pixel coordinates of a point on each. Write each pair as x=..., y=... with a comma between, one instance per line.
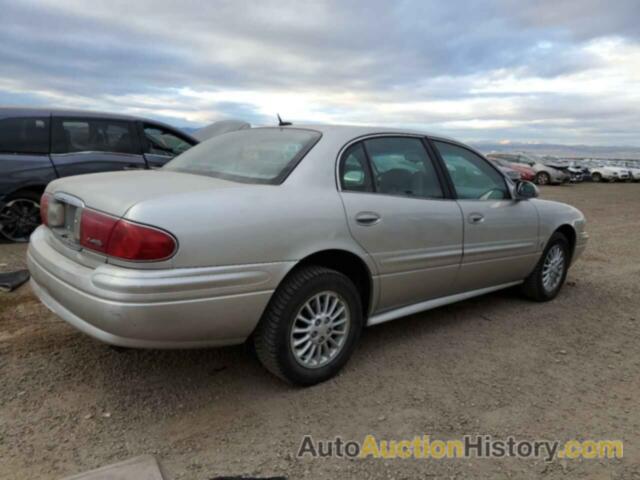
x=367, y=159
x=464, y=147
x=442, y=177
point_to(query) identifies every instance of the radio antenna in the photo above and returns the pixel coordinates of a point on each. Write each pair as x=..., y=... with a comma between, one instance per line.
x=281, y=123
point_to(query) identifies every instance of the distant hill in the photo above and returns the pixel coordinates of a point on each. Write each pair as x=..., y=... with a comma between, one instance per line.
x=565, y=151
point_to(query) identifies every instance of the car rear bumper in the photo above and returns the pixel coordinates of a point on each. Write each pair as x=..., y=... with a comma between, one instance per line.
x=170, y=308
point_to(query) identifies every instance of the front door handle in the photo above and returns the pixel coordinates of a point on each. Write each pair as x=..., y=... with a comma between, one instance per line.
x=368, y=218
x=476, y=218
x=133, y=167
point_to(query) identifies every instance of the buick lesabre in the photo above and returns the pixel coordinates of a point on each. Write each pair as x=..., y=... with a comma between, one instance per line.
x=295, y=239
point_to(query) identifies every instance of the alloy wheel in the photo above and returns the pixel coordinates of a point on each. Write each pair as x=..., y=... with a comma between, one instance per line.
x=553, y=268
x=543, y=178
x=320, y=329
x=19, y=218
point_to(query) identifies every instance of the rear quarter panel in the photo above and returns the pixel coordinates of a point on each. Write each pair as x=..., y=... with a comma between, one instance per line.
x=260, y=224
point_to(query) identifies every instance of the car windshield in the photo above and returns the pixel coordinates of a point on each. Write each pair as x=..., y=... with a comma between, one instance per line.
x=259, y=155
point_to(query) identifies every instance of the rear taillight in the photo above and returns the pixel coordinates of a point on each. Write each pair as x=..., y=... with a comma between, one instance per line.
x=136, y=242
x=124, y=239
x=95, y=230
x=44, y=208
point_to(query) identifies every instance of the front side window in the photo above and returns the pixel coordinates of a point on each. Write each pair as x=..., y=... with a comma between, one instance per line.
x=71, y=135
x=258, y=155
x=24, y=135
x=401, y=166
x=472, y=176
x=161, y=141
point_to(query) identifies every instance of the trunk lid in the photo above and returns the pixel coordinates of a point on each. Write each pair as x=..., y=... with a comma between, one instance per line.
x=113, y=193
x=116, y=192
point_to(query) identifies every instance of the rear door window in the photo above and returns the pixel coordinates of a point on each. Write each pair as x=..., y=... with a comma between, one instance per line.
x=401, y=166
x=24, y=135
x=72, y=135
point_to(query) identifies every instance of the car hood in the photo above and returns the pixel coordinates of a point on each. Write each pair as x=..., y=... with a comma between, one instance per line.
x=116, y=192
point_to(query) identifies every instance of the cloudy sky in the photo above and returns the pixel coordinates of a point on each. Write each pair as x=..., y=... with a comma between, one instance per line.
x=561, y=71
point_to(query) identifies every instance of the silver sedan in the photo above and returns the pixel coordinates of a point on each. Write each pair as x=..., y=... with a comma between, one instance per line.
x=294, y=238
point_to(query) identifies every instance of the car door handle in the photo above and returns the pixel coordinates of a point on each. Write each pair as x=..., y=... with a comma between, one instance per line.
x=367, y=218
x=133, y=167
x=476, y=218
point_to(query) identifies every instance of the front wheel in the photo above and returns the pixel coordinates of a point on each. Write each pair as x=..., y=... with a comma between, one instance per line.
x=546, y=280
x=310, y=327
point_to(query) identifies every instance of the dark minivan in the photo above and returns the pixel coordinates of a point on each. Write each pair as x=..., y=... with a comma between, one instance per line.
x=37, y=146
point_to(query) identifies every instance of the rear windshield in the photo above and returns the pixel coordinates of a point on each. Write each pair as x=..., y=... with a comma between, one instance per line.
x=259, y=155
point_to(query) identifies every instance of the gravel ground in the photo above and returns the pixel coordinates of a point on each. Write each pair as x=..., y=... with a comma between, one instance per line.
x=497, y=365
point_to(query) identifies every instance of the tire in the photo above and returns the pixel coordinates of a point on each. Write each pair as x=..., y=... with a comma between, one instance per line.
x=543, y=178
x=20, y=216
x=274, y=335
x=596, y=177
x=534, y=285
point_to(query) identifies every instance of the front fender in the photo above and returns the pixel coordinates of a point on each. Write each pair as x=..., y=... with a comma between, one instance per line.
x=554, y=215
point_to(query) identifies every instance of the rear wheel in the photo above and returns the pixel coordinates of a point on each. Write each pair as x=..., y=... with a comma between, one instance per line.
x=311, y=326
x=596, y=177
x=20, y=216
x=543, y=178
x=546, y=280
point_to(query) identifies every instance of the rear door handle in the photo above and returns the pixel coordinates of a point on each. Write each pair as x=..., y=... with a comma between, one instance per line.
x=476, y=218
x=133, y=167
x=368, y=218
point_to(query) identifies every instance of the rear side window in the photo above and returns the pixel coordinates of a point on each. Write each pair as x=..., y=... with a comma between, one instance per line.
x=93, y=135
x=354, y=173
x=24, y=135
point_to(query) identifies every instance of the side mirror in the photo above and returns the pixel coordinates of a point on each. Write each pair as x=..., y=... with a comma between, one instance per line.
x=525, y=190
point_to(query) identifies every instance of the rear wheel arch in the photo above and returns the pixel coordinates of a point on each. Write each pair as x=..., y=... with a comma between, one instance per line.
x=28, y=191
x=349, y=264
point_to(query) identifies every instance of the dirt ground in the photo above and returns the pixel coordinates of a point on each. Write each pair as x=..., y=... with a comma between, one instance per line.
x=496, y=365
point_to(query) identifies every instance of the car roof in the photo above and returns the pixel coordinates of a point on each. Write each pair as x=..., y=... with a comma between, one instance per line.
x=22, y=111
x=6, y=112
x=355, y=131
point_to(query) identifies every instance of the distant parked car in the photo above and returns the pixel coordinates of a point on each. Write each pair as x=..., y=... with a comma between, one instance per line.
x=608, y=173
x=37, y=146
x=504, y=167
x=575, y=173
x=294, y=238
x=634, y=170
x=524, y=172
x=545, y=175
